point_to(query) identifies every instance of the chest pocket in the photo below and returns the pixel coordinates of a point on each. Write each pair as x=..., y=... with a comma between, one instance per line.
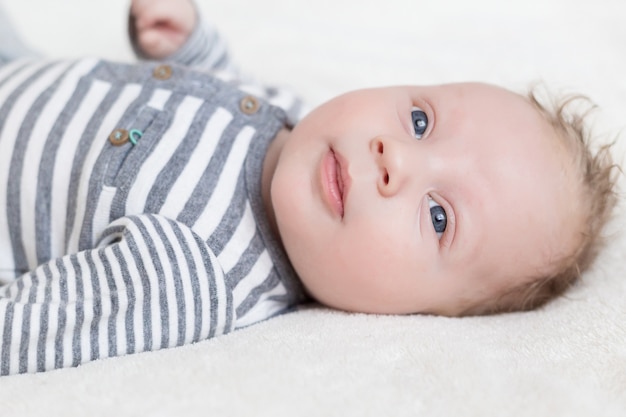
x=132, y=143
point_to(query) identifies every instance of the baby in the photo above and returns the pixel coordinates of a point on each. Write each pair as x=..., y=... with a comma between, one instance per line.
x=154, y=205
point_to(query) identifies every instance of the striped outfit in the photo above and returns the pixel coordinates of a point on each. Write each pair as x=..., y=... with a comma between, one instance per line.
x=131, y=216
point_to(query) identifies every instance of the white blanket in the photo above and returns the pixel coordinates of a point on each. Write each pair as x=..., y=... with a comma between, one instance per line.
x=568, y=358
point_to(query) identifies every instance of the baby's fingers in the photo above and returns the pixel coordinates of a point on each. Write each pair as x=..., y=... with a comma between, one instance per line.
x=161, y=26
x=175, y=14
x=159, y=43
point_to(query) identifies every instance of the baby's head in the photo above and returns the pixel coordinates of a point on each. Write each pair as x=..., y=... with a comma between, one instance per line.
x=452, y=199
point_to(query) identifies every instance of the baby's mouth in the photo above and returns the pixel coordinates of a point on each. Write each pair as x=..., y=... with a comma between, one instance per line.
x=340, y=182
x=334, y=181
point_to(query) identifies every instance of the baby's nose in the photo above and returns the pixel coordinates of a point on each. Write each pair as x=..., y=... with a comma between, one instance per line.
x=391, y=160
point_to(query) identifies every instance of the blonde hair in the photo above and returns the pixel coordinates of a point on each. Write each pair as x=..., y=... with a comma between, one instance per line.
x=597, y=183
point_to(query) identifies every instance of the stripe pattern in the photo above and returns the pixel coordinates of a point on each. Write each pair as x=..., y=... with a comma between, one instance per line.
x=143, y=292
x=110, y=250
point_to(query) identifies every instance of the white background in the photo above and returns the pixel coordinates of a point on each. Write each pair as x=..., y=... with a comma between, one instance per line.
x=566, y=359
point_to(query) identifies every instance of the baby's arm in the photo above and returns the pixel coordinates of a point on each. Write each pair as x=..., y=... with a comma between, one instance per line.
x=172, y=30
x=151, y=284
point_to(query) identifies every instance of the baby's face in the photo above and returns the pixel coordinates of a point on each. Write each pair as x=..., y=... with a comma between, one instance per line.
x=417, y=199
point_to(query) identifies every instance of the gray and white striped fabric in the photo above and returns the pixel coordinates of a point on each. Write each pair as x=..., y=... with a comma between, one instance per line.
x=108, y=250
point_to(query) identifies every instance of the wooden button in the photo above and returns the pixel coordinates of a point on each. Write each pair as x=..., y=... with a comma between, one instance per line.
x=162, y=72
x=118, y=137
x=249, y=105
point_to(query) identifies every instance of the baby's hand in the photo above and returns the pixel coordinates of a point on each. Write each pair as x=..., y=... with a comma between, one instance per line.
x=162, y=26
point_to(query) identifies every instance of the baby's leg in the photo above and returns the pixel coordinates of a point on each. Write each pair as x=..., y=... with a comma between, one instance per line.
x=11, y=44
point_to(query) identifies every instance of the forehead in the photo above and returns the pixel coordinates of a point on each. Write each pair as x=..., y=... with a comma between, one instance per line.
x=497, y=131
x=512, y=180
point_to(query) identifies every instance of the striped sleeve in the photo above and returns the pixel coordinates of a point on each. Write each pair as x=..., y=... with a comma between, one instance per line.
x=150, y=284
x=205, y=49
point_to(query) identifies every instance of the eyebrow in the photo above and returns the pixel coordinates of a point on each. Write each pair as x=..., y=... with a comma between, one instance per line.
x=453, y=249
x=468, y=234
x=458, y=202
x=405, y=126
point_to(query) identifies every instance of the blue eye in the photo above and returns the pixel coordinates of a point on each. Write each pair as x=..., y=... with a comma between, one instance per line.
x=438, y=216
x=419, y=120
